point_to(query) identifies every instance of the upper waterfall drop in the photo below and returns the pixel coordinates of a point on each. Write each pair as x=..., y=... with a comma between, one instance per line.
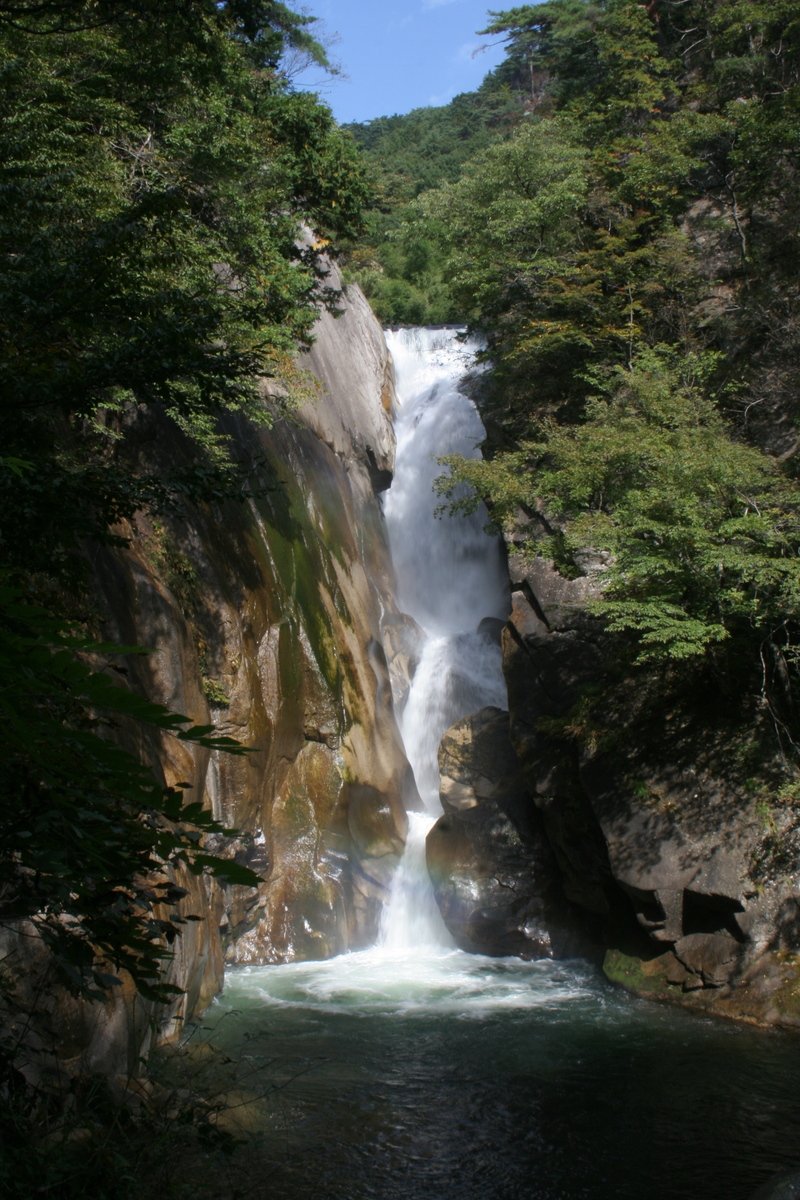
x=450, y=578
x=449, y=573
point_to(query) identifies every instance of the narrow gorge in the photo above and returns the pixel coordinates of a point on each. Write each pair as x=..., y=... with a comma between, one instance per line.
x=399, y=601
x=475, y=1055
x=415, y=987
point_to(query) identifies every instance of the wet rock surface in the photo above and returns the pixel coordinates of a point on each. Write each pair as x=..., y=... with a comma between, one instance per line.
x=494, y=875
x=264, y=619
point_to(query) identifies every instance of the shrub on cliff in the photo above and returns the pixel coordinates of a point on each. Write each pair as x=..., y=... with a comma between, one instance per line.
x=702, y=529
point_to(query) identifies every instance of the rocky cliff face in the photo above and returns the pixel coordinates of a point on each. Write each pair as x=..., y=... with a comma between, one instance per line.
x=683, y=868
x=649, y=811
x=264, y=619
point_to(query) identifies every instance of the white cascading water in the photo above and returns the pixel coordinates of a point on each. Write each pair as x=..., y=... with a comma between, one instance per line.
x=450, y=578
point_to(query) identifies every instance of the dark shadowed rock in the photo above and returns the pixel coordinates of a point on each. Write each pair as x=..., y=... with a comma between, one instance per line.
x=641, y=782
x=492, y=629
x=785, y=1186
x=550, y=657
x=494, y=876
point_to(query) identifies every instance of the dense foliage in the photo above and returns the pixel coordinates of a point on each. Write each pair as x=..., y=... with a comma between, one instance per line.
x=153, y=188
x=158, y=182
x=702, y=529
x=398, y=261
x=629, y=251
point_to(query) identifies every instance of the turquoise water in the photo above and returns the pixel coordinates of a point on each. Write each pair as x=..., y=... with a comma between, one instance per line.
x=456, y=1077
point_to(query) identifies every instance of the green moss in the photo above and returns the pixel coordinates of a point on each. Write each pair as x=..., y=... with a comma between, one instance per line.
x=215, y=693
x=175, y=567
x=300, y=559
x=297, y=817
x=766, y=816
x=787, y=998
x=290, y=675
x=789, y=792
x=645, y=978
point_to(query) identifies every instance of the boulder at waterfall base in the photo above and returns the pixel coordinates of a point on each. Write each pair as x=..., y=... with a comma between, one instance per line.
x=494, y=876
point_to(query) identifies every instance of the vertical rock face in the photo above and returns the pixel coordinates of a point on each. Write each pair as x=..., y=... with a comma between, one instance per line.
x=610, y=813
x=265, y=619
x=693, y=875
x=551, y=656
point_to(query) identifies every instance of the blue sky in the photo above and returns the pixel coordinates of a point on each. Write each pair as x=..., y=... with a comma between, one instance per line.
x=400, y=54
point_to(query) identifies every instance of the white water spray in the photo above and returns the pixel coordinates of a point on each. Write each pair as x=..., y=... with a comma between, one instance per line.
x=450, y=578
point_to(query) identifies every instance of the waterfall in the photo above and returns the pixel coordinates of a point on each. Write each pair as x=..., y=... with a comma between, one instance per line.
x=412, y=1070
x=450, y=577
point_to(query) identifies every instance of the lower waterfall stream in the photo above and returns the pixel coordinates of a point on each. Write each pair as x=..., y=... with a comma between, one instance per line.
x=415, y=1071
x=449, y=578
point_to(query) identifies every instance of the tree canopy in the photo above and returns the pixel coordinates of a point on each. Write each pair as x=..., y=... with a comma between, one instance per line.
x=158, y=178
x=627, y=246
x=398, y=259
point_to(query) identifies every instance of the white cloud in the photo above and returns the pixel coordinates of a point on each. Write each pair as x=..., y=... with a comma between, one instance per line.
x=438, y=3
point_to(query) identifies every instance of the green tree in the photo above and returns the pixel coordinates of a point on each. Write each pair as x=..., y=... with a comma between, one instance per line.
x=640, y=340
x=398, y=260
x=512, y=230
x=702, y=530
x=557, y=268
x=153, y=192
x=157, y=180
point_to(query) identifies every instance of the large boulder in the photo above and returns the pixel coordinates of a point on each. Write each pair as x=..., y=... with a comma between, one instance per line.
x=494, y=876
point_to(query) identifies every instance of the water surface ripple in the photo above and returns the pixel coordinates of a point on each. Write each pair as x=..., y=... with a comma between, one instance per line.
x=450, y=1076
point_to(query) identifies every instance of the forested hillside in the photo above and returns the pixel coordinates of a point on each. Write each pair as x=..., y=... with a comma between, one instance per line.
x=398, y=260
x=629, y=250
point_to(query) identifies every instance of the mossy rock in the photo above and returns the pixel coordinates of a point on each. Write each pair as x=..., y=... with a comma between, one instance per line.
x=786, y=1000
x=643, y=977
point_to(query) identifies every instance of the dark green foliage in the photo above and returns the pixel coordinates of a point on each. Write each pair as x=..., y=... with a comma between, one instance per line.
x=149, y=249
x=157, y=180
x=264, y=28
x=429, y=146
x=398, y=261
x=702, y=530
x=630, y=253
x=642, y=214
